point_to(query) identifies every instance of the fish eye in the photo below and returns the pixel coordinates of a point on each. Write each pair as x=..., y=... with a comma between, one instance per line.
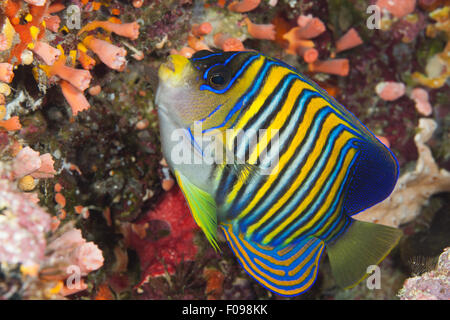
x=218, y=78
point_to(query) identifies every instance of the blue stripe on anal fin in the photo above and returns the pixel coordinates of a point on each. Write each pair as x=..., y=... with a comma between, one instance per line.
x=373, y=177
x=286, y=270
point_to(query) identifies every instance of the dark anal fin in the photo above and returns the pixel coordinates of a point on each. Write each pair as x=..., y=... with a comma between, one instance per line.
x=362, y=245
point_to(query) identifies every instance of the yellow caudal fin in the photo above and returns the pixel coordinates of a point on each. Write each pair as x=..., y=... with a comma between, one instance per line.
x=362, y=245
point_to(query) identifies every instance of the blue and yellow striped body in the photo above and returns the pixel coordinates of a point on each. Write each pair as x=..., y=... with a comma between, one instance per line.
x=329, y=167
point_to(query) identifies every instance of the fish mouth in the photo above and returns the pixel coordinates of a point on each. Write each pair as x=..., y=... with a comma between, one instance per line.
x=173, y=70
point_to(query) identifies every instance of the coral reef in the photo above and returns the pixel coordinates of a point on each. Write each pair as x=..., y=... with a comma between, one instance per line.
x=432, y=285
x=413, y=188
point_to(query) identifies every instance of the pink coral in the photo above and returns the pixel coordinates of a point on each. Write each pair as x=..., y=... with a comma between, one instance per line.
x=6, y=72
x=433, y=285
x=398, y=8
x=3, y=42
x=390, y=90
x=420, y=97
x=46, y=170
x=69, y=248
x=88, y=257
x=26, y=162
x=23, y=225
x=38, y=3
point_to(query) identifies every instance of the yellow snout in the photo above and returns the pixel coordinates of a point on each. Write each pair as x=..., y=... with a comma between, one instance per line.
x=174, y=69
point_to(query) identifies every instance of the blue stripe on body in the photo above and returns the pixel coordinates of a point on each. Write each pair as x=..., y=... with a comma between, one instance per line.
x=273, y=253
x=306, y=185
x=305, y=217
x=238, y=73
x=244, y=99
x=205, y=74
x=240, y=154
x=208, y=56
x=306, y=148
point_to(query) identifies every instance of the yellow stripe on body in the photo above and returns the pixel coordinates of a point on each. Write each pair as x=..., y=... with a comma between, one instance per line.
x=331, y=121
x=276, y=74
x=325, y=175
x=294, y=271
x=286, y=250
x=286, y=262
x=245, y=259
x=311, y=109
x=243, y=84
x=277, y=123
x=270, y=269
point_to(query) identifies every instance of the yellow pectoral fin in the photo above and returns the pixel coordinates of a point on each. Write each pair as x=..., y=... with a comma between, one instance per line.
x=202, y=206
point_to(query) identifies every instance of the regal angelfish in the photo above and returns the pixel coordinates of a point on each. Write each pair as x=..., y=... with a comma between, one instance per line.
x=329, y=167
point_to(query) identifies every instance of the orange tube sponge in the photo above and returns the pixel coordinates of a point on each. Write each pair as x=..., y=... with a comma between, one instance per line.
x=109, y=54
x=87, y=62
x=227, y=43
x=55, y=7
x=196, y=43
x=398, y=8
x=74, y=97
x=138, y=3
x=349, y=40
x=95, y=90
x=52, y=23
x=12, y=124
x=49, y=54
x=260, y=31
x=202, y=29
x=128, y=30
x=185, y=52
x=6, y=72
x=310, y=28
x=309, y=54
x=340, y=67
x=295, y=43
x=79, y=78
x=244, y=5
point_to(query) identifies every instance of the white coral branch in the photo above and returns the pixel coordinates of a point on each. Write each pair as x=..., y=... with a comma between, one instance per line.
x=414, y=188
